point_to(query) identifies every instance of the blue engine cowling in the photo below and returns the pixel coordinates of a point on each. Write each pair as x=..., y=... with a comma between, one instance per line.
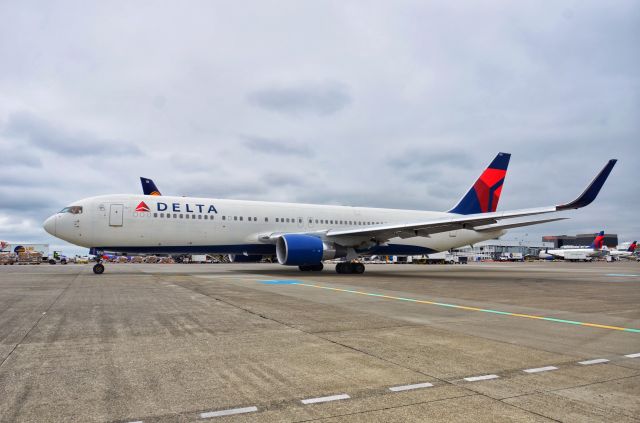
x=299, y=250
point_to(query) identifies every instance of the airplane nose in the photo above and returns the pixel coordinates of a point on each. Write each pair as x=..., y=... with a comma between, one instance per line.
x=50, y=225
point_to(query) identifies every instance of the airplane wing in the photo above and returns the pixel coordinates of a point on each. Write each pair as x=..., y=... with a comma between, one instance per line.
x=478, y=221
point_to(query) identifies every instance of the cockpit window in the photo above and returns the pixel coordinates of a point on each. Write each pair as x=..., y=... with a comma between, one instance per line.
x=72, y=210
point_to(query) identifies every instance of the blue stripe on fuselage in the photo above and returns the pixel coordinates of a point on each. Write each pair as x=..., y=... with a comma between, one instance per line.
x=264, y=249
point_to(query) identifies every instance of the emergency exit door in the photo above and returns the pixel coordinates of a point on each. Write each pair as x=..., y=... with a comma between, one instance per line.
x=115, y=214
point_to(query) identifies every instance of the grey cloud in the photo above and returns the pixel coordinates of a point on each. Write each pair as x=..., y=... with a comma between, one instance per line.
x=382, y=105
x=310, y=99
x=279, y=179
x=12, y=156
x=276, y=146
x=43, y=135
x=427, y=165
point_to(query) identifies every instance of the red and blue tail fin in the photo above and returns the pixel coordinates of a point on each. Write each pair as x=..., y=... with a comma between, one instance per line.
x=148, y=187
x=484, y=195
x=598, y=242
x=632, y=247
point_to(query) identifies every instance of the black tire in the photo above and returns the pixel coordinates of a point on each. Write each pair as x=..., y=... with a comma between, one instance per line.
x=98, y=269
x=317, y=267
x=358, y=268
x=52, y=261
x=340, y=268
x=304, y=268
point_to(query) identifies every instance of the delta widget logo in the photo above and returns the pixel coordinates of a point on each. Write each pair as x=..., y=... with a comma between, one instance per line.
x=142, y=207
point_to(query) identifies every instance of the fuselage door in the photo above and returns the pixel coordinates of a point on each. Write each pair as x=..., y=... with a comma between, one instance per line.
x=115, y=214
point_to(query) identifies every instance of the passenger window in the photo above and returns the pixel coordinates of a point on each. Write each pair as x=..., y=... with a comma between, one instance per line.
x=155, y=215
x=175, y=215
x=199, y=216
x=241, y=218
x=299, y=220
x=266, y=219
x=235, y=217
x=181, y=216
x=206, y=217
x=224, y=217
x=316, y=220
x=161, y=214
x=277, y=219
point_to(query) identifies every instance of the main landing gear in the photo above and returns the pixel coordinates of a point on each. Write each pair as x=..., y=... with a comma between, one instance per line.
x=98, y=268
x=348, y=267
x=311, y=267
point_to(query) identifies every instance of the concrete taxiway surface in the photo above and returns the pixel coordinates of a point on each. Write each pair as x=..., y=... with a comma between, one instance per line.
x=263, y=343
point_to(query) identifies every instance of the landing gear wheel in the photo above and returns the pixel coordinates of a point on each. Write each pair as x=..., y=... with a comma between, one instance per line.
x=348, y=268
x=311, y=267
x=98, y=269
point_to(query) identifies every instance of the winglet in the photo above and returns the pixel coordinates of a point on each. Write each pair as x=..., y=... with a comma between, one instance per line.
x=591, y=192
x=148, y=187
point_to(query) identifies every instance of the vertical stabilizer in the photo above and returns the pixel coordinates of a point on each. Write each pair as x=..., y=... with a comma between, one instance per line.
x=148, y=187
x=484, y=195
x=598, y=242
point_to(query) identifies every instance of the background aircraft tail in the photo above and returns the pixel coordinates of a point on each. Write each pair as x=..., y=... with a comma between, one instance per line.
x=632, y=247
x=598, y=242
x=148, y=187
x=484, y=195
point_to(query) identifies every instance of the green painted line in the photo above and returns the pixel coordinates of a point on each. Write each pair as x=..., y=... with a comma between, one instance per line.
x=469, y=308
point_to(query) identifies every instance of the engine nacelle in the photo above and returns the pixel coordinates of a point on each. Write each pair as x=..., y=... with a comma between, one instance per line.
x=241, y=258
x=301, y=250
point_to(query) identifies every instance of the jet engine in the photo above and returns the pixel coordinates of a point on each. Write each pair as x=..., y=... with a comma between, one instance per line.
x=303, y=250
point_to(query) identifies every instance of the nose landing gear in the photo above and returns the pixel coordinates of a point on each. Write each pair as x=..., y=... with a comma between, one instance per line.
x=348, y=267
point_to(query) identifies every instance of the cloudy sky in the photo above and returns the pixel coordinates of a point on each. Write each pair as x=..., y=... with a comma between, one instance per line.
x=385, y=104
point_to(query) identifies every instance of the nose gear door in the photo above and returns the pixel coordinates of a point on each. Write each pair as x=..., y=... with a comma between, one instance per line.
x=115, y=214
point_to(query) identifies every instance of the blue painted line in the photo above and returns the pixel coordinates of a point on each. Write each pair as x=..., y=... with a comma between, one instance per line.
x=622, y=274
x=280, y=282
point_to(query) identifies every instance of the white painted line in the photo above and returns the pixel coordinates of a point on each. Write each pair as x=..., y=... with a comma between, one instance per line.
x=540, y=369
x=595, y=361
x=636, y=355
x=483, y=377
x=137, y=421
x=325, y=399
x=409, y=387
x=229, y=412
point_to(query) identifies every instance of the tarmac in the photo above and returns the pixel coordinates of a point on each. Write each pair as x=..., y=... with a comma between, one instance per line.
x=527, y=342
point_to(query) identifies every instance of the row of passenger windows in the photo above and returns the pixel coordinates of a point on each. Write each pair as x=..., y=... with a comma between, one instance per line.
x=255, y=219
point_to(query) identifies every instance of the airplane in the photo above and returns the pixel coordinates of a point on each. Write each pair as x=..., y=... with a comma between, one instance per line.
x=628, y=253
x=302, y=235
x=594, y=250
x=148, y=187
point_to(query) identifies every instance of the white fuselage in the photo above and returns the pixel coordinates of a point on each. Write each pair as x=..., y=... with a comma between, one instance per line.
x=576, y=252
x=203, y=225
